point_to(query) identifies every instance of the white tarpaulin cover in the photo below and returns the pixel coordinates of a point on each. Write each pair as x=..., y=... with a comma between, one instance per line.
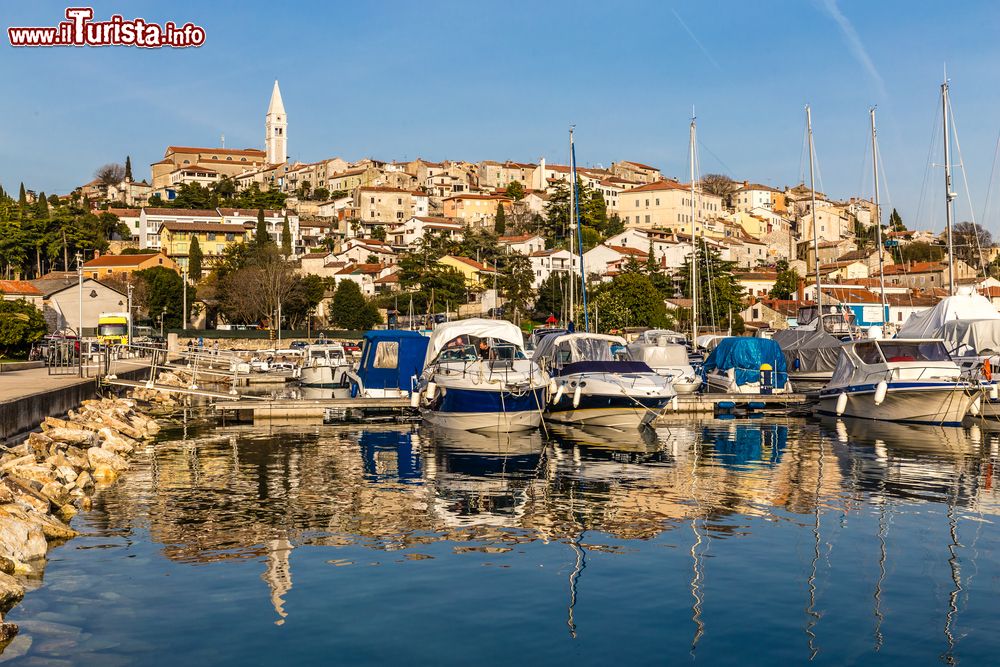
x=972, y=337
x=570, y=348
x=814, y=351
x=446, y=332
x=966, y=305
x=660, y=356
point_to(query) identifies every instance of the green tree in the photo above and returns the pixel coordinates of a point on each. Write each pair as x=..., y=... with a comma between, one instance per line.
x=306, y=293
x=21, y=325
x=378, y=233
x=500, y=224
x=261, y=238
x=896, y=222
x=349, y=309
x=629, y=300
x=194, y=259
x=128, y=167
x=921, y=252
x=652, y=266
x=514, y=283
x=22, y=196
x=719, y=290
x=164, y=294
x=286, y=237
x=515, y=190
x=786, y=284
x=321, y=194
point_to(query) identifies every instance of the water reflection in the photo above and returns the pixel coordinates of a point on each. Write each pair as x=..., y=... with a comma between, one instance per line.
x=240, y=494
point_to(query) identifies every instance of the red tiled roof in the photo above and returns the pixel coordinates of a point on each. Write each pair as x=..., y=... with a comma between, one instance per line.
x=628, y=251
x=225, y=151
x=640, y=165
x=471, y=262
x=119, y=260
x=517, y=239
x=203, y=227
x=916, y=267
x=240, y=213
x=22, y=287
x=660, y=185
x=360, y=268
x=183, y=212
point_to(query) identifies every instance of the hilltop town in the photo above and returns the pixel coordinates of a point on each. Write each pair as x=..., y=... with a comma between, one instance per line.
x=465, y=238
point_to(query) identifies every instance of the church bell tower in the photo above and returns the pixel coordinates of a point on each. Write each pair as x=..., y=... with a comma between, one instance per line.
x=276, y=129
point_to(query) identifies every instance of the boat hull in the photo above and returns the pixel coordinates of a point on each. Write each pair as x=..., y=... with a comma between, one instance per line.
x=486, y=410
x=944, y=404
x=610, y=411
x=329, y=377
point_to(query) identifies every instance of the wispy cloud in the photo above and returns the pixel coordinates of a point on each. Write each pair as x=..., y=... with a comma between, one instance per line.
x=855, y=44
x=695, y=39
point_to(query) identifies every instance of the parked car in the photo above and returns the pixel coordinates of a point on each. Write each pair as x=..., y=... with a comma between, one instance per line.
x=299, y=345
x=351, y=347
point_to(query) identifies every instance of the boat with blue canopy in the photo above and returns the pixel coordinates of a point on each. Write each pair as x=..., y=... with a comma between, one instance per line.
x=390, y=365
x=741, y=365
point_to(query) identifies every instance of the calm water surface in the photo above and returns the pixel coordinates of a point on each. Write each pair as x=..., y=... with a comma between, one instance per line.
x=718, y=542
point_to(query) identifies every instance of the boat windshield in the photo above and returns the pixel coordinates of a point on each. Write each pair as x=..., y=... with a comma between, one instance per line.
x=470, y=348
x=590, y=349
x=933, y=350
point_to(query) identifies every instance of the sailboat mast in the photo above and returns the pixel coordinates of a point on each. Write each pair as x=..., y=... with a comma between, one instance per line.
x=694, y=248
x=815, y=226
x=948, y=194
x=572, y=231
x=579, y=235
x=878, y=219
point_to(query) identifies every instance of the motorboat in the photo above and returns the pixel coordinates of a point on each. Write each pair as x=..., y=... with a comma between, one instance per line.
x=390, y=365
x=664, y=351
x=325, y=365
x=598, y=384
x=810, y=354
x=898, y=380
x=743, y=365
x=537, y=334
x=477, y=377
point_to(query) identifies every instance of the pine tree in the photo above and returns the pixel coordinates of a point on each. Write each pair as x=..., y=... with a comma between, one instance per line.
x=128, y=167
x=286, y=238
x=500, y=226
x=42, y=207
x=194, y=259
x=261, y=238
x=651, y=265
x=22, y=197
x=896, y=222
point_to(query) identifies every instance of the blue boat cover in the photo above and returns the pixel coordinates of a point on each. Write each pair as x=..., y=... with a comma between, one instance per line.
x=746, y=355
x=381, y=369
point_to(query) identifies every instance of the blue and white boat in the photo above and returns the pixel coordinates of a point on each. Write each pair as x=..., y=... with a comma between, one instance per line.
x=390, y=366
x=476, y=378
x=598, y=384
x=898, y=380
x=736, y=363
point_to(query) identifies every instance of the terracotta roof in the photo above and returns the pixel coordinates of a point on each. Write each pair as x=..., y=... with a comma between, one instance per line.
x=195, y=167
x=120, y=260
x=438, y=219
x=203, y=227
x=623, y=250
x=474, y=196
x=19, y=287
x=915, y=300
x=380, y=188
x=851, y=294
x=916, y=267
x=225, y=151
x=390, y=278
x=471, y=262
x=640, y=165
x=660, y=185
x=239, y=213
x=183, y=212
x=757, y=186
x=354, y=269
x=517, y=239
x=757, y=275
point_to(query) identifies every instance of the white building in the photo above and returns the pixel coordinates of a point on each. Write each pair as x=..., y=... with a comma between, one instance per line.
x=545, y=262
x=407, y=233
x=526, y=244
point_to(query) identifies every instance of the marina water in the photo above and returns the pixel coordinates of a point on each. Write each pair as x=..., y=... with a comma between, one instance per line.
x=723, y=542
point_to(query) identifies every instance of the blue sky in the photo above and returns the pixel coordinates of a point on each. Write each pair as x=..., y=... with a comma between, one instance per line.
x=468, y=80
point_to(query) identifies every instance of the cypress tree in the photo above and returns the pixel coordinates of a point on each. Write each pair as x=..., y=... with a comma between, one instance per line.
x=194, y=259
x=651, y=265
x=128, y=167
x=22, y=197
x=261, y=238
x=500, y=226
x=286, y=238
x=42, y=207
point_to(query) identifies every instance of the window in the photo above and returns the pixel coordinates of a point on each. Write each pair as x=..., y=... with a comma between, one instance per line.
x=230, y=237
x=657, y=202
x=211, y=236
x=387, y=354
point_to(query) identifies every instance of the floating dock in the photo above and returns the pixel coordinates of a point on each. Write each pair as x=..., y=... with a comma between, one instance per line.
x=247, y=409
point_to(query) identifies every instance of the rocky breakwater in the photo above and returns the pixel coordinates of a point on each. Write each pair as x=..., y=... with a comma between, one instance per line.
x=48, y=477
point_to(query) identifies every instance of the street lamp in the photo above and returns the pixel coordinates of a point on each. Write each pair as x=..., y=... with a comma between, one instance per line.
x=79, y=275
x=162, y=314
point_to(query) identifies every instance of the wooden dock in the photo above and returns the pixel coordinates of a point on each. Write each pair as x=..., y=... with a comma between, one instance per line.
x=247, y=408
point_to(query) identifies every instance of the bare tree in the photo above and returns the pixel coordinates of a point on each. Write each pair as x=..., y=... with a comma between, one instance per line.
x=969, y=240
x=253, y=293
x=718, y=184
x=110, y=174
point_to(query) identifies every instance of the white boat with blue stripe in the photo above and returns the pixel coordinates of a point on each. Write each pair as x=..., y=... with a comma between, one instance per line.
x=598, y=384
x=476, y=378
x=913, y=381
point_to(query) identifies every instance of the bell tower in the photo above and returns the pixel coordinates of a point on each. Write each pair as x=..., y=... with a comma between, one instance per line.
x=276, y=129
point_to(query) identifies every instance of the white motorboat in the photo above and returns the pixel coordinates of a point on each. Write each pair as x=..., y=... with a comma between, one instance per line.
x=325, y=365
x=665, y=353
x=898, y=380
x=476, y=377
x=597, y=384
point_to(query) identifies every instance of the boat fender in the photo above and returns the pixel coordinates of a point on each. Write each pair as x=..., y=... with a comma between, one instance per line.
x=841, y=403
x=673, y=403
x=559, y=394
x=576, y=396
x=994, y=392
x=414, y=399
x=553, y=387
x=431, y=391
x=881, y=389
x=974, y=408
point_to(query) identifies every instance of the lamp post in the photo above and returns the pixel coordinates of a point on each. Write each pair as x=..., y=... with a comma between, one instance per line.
x=79, y=275
x=162, y=314
x=184, y=317
x=129, y=292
